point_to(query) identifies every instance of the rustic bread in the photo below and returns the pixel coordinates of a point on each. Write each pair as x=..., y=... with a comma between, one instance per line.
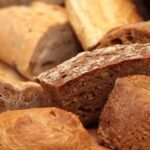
x=132, y=33
x=125, y=120
x=4, y=3
x=91, y=19
x=17, y=94
x=43, y=129
x=20, y=95
x=39, y=37
x=82, y=84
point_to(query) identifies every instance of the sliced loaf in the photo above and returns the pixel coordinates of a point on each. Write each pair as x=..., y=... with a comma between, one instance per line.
x=82, y=84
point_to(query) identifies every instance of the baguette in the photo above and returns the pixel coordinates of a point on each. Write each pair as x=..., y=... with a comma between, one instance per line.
x=91, y=19
x=128, y=34
x=38, y=39
x=44, y=129
x=125, y=120
x=82, y=84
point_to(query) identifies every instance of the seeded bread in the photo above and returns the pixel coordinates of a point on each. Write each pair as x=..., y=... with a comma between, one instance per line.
x=39, y=37
x=132, y=33
x=44, y=129
x=125, y=120
x=82, y=84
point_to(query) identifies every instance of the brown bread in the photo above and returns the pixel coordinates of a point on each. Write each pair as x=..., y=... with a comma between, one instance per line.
x=125, y=120
x=44, y=129
x=132, y=33
x=82, y=84
x=15, y=93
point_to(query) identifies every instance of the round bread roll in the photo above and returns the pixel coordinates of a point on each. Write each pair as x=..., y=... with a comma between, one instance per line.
x=43, y=129
x=125, y=120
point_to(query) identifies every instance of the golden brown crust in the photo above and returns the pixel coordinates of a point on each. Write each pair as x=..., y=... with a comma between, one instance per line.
x=39, y=37
x=125, y=121
x=91, y=19
x=43, y=129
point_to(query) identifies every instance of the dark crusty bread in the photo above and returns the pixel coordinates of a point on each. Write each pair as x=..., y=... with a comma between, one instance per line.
x=44, y=129
x=20, y=95
x=82, y=84
x=125, y=120
x=128, y=34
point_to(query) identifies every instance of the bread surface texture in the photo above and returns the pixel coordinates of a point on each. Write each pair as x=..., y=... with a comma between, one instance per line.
x=125, y=120
x=91, y=19
x=38, y=39
x=6, y=3
x=82, y=84
x=128, y=34
x=43, y=129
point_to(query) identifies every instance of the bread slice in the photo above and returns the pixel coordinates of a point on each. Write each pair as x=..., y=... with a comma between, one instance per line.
x=82, y=84
x=41, y=129
x=4, y=3
x=125, y=120
x=39, y=37
x=91, y=19
x=132, y=33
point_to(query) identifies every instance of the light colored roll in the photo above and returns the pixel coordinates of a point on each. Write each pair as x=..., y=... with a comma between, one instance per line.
x=44, y=129
x=36, y=38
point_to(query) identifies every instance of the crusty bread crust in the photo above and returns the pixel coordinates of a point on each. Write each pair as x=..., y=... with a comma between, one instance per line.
x=125, y=120
x=44, y=129
x=128, y=34
x=38, y=39
x=82, y=84
x=91, y=19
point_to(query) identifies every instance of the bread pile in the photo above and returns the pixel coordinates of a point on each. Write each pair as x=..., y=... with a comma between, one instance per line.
x=74, y=75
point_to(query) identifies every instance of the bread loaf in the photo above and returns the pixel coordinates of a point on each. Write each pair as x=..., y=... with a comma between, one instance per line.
x=4, y=3
x=20, y=95
x=91, y=19
x=125, y=120
x=82, y=84
x=43, y=129
x=128, y=34
x=39, y=37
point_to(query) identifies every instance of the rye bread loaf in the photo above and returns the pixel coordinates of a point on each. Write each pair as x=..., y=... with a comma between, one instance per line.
x=4, y=3
x=82, y=84
x=44, y=129
x=39, y=37
x=125, y=120
x=132, y=33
